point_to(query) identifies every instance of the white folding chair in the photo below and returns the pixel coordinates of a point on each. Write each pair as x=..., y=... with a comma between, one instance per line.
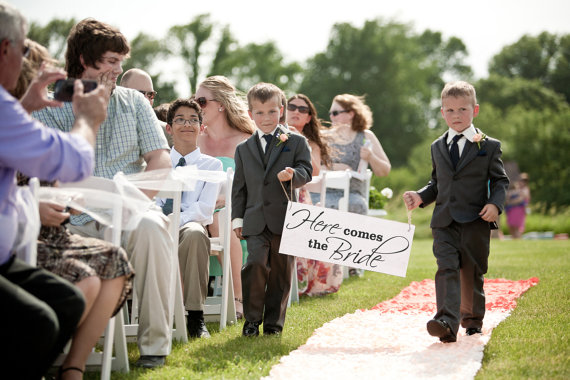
x=114, y=333
x=223, y=306
x=179, y=333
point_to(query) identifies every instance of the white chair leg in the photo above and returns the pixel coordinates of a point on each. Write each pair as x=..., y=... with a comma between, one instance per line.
x=121, y=362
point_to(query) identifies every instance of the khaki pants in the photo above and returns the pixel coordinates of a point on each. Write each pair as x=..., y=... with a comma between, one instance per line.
x=149, y=248
x=194, y=256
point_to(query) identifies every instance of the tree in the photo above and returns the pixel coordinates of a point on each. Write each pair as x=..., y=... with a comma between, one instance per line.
x=186, y=41
x=254, y=63
x=399, y=72
x=545, y=58
x=53, y=36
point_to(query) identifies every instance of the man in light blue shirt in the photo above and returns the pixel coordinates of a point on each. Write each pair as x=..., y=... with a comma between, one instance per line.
x=129, y=140
x=184, y=122
x=36, y=306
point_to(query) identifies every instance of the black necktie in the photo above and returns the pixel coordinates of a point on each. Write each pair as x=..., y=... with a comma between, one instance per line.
x=268, y=139
x=167, y=207
x=454, y=151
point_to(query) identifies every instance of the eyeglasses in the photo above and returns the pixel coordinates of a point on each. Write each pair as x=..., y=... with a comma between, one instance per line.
x=336, y=113
x=202, y=101
x=182, y=121
x=301, y=109
x=25, y=49
x=149, y=94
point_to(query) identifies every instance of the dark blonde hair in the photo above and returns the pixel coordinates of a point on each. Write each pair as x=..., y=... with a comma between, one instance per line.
x=459, y=89
x=264, y=92
x=312, y=130
x=91, y=39
x=30, y=66
x=362, y=119
x=236, y=110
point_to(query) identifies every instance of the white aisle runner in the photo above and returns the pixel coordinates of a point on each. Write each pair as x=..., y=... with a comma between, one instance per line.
x=390, y=341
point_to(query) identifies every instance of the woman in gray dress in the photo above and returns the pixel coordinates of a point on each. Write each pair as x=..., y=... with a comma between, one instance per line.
x=351, y=140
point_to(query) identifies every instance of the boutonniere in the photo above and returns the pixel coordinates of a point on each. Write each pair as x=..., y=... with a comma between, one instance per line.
x=478, y=138
x=283, y=137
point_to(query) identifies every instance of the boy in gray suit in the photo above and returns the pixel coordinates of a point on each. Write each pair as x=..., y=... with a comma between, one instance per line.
x=271, y=158
x=468, y=186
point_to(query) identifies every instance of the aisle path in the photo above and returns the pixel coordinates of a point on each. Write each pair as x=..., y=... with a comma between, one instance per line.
x=390, y=340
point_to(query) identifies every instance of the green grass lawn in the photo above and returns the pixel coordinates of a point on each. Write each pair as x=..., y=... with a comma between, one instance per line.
x=531, y=344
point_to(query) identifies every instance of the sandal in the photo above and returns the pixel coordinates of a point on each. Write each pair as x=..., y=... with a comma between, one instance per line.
x=239, y=308
x=61, y=370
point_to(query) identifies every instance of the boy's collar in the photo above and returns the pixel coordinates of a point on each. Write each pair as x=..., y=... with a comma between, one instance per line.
x=467, y=133
x=260, y=133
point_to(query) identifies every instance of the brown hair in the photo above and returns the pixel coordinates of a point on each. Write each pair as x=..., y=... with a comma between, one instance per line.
x=459, y=89
x=190, y=103
x=90, y=39
x=236, y=110
x=362, y=119
x=161, y=111
x=312, y=130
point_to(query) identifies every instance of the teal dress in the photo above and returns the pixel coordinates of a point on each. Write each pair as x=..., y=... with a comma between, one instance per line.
x=215, y=267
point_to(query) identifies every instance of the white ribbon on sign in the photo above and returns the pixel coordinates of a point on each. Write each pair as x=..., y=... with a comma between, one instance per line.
x=345, y=238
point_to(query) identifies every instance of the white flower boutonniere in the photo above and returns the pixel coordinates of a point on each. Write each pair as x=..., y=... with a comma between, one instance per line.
x=283, y=137
x=478, y=138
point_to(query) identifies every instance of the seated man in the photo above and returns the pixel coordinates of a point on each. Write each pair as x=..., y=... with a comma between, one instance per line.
x=129, y=140
x=197, y=209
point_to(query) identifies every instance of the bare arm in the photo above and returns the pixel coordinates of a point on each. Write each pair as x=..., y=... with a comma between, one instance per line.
x=375, y=156
x=156, y=159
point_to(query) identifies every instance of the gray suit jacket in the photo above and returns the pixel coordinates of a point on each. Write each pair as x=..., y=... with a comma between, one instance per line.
x=257, y=196
x=460, y=194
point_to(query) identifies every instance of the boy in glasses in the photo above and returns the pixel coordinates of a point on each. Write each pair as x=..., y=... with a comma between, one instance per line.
x=129, y=140
x=184, y=124
x=271, y=158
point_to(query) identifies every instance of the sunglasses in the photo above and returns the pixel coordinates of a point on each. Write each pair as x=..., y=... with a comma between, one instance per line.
x=202, y=101
x=336, y=113
x=301, y=109
x=149, y=94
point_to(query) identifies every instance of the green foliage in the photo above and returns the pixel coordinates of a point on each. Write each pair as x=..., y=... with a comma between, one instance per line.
x=254, y=63
x=186, y=42
x=545, y=58
x=377, y=200
x=53, y=36
x=399, y=71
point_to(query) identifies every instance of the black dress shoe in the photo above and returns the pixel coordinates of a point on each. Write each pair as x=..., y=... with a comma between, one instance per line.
x=196, y=325
x=250, y=329
x=442, y=330
x=150, y=361
x=473, y=331
x=271, y=331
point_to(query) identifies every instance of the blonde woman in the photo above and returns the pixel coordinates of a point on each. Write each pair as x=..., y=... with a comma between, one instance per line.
x=226, y=124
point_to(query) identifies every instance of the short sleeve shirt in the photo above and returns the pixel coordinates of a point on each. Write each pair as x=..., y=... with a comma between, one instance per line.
x=130, y=130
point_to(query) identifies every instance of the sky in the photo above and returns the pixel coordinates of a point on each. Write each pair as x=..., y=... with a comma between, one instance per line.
x=301, y=29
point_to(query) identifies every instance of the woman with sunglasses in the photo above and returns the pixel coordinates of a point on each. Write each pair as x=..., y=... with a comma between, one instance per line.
x=314, y=277
x=226, y=124
x=351, y=140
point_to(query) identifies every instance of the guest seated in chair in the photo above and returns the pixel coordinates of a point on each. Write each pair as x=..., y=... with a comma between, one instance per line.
x=100, y=270
x=130, y=141
x=197, y=209
x=40, y=311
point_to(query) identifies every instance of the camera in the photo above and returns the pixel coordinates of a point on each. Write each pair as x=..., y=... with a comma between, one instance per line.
x=63, y=89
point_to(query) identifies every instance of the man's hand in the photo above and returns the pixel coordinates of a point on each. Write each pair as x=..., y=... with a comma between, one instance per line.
x=286, y=174
x=90, y=110
x=412, y=199
x=35, y=97
x=490, y=213
x=52, y=214
x=238, y=233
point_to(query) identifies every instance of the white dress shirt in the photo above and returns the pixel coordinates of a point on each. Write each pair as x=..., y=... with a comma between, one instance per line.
x=468, y=134
x=197, y=205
